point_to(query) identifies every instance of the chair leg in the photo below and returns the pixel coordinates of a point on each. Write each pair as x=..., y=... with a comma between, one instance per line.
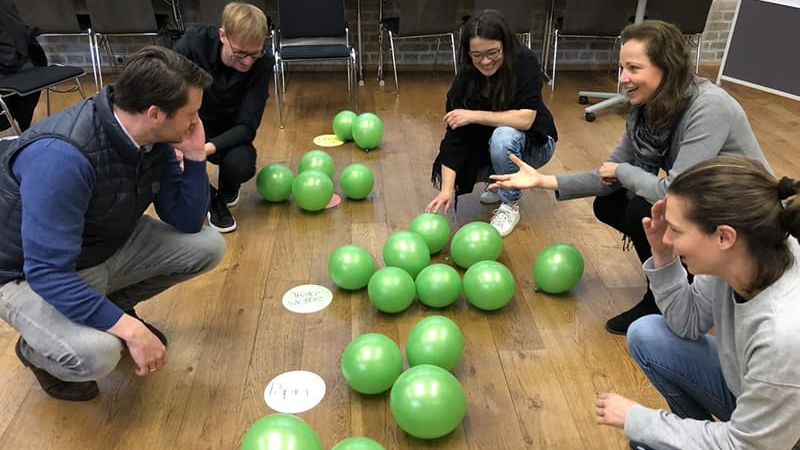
x=95, y=65
x=436, y=54
x=394, y=64
x=10, y=118
x=279, y=92
x=80, y=88
x=555, y=58
x=380, y=54
x=453, y=49
x=109, y=52
x=97, y=38
x=355, y=90
x=697, y=54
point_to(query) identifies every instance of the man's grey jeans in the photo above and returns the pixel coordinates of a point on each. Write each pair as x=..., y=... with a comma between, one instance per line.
x=154, y=258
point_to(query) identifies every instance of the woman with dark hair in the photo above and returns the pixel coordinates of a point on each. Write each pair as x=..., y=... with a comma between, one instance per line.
x=494, y=109
x=727, y=219
x=676, y=121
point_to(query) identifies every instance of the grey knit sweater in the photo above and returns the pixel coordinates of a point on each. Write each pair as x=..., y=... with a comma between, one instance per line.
x=759, y=351
x=713, y=124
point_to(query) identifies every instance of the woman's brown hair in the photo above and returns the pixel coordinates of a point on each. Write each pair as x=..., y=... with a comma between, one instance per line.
x=666, y=48
x=741, y=193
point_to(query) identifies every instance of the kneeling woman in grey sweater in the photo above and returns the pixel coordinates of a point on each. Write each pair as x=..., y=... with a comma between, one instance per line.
x=726, y=220
x=676, y=121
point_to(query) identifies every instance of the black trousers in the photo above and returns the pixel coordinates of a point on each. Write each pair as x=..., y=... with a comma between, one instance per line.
x=236, y=164
x=21, y=108
x=625, y=215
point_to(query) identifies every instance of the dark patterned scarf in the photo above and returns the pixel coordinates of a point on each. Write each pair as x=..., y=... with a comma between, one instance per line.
x=650, y=144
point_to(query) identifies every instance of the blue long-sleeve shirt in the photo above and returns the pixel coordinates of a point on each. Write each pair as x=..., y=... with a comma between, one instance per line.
x=56, y=182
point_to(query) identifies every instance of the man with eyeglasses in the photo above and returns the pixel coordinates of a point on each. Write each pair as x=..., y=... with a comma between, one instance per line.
x=233, y=105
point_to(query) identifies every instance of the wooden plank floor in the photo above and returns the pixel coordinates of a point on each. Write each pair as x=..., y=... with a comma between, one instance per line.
x=530, y=371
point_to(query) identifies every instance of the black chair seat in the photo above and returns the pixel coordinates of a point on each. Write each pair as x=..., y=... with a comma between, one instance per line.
x=295, y=52
x=36, y=78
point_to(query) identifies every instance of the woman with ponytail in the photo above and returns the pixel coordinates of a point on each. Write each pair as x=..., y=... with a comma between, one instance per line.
x=735, y=227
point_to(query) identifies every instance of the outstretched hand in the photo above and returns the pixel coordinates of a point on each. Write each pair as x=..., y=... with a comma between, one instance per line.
x=527, y=177
x=444, y=199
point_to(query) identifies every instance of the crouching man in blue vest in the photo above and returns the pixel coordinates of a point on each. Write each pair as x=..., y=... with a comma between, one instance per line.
x=77, y=252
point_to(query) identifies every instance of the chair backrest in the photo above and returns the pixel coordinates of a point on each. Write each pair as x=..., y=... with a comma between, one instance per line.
x=211, y=10
x=129, y=16
x=688, y=15
x=311, y=18
x=518, y=14
x=50, y=16
x=423, y=17
x=596, y=17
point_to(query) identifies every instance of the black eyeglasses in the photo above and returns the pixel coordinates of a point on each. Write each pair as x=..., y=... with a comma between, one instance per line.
x=493, y=54
x=240, y=54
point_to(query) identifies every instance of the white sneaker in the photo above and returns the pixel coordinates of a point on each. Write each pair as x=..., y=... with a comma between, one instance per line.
x=489, y=197
x=505, y=218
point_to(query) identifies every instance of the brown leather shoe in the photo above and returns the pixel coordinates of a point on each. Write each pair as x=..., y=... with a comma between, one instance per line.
x=76, y=391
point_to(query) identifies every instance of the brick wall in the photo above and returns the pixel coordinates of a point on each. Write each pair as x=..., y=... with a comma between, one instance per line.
x=411, y=54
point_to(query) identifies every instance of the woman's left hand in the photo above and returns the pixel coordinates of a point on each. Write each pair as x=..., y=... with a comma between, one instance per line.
x=608, y=173
x=612, y=409
x=458, y=118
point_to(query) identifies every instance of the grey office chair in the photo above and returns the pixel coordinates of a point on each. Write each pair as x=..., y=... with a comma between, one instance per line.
x=319, y=36
x=58, y=18
x=417, y=19
x=519, y=15
x=688, y=15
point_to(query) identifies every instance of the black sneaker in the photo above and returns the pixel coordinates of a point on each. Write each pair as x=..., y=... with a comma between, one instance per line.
x=159, y=334
x=219, y=217
x=620, y=323
x=75, y=391
x=230, y=199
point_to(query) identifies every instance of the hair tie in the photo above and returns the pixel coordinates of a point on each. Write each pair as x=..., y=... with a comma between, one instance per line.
x=786, y=188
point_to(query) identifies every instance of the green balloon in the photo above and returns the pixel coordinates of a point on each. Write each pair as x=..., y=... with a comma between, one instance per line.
x=316, y=160
x=438, y=285
x=558, y=268
x=391, y=290
x=434, y=228
x=371, y=363
x=407, y=251
x=475, y=241
x=367, y=131
x=343, y=125
x=350, y=267
x=274, y=182
x=435, y=340
x=489, y=285
x=356, y=181
x=358, y=443
x=428, y=402
x=281, y=432
x=312, y=190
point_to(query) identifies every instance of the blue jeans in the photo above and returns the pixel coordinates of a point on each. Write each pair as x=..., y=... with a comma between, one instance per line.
x=155, y=257
x=686, y=372
x=506, y=141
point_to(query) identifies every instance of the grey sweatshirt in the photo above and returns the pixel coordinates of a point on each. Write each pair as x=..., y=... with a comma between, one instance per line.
x=759, y=351
x=713, y=124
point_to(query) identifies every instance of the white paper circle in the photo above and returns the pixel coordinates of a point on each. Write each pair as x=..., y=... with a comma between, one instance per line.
x=294, y=392
x=308, y=298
